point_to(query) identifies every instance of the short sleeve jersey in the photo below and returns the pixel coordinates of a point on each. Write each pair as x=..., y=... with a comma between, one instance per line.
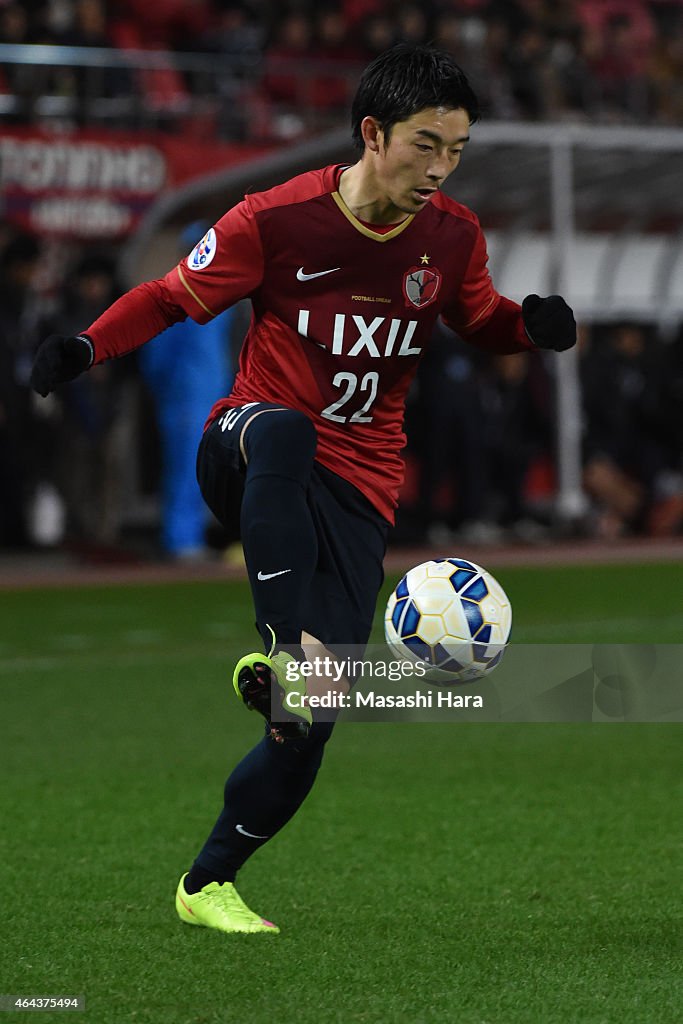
x=341, y=312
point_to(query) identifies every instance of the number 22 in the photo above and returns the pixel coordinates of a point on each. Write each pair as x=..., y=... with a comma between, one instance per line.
x=369, y=383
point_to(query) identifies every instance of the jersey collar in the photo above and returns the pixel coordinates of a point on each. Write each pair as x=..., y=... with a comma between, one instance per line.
x=364, y=229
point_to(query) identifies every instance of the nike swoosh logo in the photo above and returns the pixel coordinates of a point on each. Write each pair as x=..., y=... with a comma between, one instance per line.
x=269, y=575
x=188, y=909
x=300, y=276
x=243, y=831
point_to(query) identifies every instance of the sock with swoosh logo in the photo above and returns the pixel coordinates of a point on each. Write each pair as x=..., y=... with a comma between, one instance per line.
x=262, y=793
x=278, y=535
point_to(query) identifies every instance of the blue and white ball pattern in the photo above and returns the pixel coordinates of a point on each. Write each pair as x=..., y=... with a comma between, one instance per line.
x=452, y=615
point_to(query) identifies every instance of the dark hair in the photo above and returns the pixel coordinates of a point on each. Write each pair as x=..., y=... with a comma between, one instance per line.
x=406, y=79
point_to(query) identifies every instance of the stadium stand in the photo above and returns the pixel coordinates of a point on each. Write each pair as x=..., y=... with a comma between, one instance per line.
x=255, y=76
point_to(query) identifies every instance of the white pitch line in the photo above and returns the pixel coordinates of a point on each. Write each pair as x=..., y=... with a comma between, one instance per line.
x=8, y=666
x=72, y=641
x=551, y=631
x=144, y=637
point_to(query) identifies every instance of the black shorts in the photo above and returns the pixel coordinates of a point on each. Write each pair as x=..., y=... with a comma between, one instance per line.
x=352, y=537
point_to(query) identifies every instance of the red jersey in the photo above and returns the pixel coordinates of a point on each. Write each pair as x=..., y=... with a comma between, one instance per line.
x=341, y=313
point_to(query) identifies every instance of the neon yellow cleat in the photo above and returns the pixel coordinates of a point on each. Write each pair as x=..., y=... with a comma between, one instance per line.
x=219, y=906
x=255, y=676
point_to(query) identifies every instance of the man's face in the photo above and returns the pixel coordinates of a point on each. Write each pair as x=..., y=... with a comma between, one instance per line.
x=422, y=151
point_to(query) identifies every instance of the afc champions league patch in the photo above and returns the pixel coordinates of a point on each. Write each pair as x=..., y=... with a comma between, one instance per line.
x=421, y=286
x=203, y=252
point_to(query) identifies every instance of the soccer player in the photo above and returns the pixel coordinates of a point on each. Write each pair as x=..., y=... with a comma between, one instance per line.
x=348, y=269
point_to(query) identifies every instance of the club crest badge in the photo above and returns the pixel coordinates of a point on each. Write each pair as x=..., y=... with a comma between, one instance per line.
x=421, y=286
x=203, y=252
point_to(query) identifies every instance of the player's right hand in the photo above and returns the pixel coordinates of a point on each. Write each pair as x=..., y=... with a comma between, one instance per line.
x=59, y=360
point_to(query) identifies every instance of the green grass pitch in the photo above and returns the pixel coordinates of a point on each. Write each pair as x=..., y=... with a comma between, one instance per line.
x=479, y=874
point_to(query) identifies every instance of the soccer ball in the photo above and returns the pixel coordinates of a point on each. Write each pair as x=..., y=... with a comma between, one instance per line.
x=452, y=615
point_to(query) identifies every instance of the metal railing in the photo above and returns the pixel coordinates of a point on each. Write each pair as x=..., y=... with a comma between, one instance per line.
x=243, y=96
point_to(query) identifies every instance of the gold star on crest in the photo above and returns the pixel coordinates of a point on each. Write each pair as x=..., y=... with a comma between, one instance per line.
x=425, y=258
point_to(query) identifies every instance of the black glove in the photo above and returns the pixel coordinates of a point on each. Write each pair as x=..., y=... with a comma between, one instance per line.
x=58, y=360
x=549, y=322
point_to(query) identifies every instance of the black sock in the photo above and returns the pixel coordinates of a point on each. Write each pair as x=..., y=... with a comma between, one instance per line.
x=278, y=534
x=296, y=650
x=263, y=792
x=281, y=552
x=198, y=877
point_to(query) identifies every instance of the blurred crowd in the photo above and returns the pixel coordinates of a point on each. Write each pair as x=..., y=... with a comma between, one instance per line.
x=482, y=444
x=77, y=467
x=613, y=60
x=481, y=456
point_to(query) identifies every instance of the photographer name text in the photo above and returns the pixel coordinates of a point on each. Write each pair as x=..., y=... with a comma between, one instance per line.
x=370, y=699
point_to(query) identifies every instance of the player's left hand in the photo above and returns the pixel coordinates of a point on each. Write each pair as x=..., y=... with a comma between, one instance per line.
x=549, y=322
